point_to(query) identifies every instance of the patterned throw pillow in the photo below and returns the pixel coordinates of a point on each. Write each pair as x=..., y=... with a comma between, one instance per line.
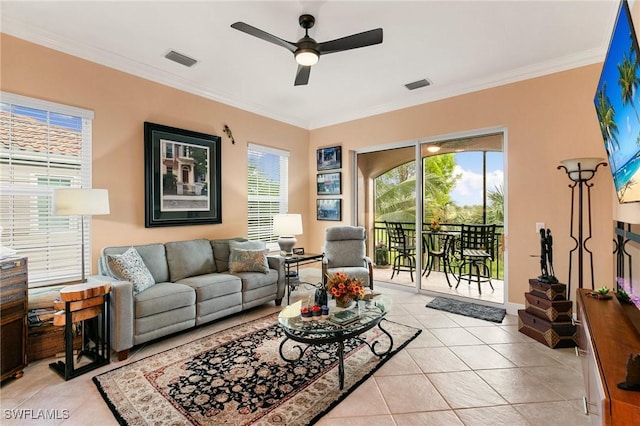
x=248, y=261
x=129, y=266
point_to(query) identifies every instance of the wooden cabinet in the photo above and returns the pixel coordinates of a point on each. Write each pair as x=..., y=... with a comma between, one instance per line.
x=13, y=316
x=594, y=400
x=606, y=338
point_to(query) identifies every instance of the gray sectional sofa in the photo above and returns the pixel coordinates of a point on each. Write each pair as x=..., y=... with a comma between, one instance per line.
x=182, y=284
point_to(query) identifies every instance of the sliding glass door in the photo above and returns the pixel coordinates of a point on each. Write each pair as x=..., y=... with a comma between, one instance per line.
x=456, y=181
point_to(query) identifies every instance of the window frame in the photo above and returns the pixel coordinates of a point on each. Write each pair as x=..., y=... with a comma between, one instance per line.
x=51, y=243
x=258, y=226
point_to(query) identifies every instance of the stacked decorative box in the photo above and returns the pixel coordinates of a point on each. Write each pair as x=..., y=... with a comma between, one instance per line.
x=547, y=317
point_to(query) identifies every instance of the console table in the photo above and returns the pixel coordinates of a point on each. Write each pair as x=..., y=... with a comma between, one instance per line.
x=606, y=338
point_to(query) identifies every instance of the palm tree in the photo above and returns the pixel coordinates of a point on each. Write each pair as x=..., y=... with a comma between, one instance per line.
x=395, y=194
x=628, y=82
x=606, y=115
x=495, y=210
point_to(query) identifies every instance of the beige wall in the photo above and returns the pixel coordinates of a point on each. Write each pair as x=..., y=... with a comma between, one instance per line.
x=547, y=119
x=122, y=103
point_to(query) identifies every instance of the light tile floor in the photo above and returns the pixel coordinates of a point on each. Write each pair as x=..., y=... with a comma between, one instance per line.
x=458, y=371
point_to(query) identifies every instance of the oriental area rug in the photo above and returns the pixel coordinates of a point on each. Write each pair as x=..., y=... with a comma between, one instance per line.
x=473, y=310
x=237, y=377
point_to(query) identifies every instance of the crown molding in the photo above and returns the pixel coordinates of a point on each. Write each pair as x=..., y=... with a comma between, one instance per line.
x=428, y=94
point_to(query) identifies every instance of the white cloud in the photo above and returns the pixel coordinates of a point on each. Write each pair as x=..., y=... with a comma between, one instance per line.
x=468, y=190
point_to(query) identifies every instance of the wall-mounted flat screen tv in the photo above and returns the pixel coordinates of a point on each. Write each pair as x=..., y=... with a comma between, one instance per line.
x=617, y=103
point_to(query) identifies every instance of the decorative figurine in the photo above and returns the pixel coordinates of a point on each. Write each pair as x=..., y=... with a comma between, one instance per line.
x=632, y=378
x=546, y=258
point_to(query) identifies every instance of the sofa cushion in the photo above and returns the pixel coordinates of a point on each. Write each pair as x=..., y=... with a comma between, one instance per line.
x=153, y=255
x=248, y=261
x=253, y=280
x=189, y=258
x=247, y=245
x=210, y=286
x=221, y=252
x=163, y=297
x=129, y=266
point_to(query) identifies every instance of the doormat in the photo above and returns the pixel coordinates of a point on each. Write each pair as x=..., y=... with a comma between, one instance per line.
x=237, y=377
x=468, y=309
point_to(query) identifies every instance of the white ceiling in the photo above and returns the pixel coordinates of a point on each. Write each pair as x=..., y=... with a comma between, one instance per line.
x=460, y=46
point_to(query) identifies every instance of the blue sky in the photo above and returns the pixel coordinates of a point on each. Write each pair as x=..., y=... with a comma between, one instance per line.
x=468, y=191
x=54, y=119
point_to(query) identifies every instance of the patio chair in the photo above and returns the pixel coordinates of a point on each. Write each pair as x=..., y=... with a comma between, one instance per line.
x=437, y=245
x=345, y=251
x=477, y=246
x=405, y=259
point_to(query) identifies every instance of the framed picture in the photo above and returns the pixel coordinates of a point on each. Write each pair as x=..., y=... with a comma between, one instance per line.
x=329, y=183
x=182, y=177
x=329, y=209
x=329, y=158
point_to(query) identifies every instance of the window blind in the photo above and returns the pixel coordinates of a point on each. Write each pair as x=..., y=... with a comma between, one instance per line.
x=268, y=189
x=43, y=145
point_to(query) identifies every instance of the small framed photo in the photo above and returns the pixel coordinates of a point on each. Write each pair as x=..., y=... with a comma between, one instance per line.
x=329, y=183
x=329, y=158
x=329, y=209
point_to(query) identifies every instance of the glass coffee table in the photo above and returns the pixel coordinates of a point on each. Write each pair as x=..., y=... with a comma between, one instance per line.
x=331, y=328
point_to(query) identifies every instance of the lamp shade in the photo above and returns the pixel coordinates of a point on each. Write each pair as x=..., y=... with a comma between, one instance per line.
x=581, y=168
x=80, y=201
x=287, y=225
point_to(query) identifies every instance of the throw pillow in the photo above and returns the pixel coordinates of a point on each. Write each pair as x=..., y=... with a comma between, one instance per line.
x=248, y=261
x=129, y=266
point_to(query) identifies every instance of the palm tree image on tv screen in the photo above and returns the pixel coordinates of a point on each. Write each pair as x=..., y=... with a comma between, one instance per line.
x=616, y=103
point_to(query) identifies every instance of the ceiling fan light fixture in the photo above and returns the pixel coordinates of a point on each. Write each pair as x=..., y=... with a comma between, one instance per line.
x=307, y=57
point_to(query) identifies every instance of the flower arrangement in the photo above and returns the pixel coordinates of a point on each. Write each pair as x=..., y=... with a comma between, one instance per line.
x=343, y=288
x=435, y=225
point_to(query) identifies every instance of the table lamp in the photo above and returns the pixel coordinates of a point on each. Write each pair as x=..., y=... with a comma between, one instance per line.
x=287, y=226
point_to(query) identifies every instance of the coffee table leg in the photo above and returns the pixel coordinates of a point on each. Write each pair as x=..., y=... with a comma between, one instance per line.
x=341, y=363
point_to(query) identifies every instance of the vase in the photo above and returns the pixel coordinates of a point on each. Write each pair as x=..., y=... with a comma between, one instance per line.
x=343, y=303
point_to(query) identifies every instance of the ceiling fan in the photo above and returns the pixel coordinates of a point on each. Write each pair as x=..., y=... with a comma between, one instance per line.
x=307, y=51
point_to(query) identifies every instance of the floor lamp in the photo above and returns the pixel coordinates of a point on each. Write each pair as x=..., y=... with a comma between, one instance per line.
x=80, y=202
x=580, y=171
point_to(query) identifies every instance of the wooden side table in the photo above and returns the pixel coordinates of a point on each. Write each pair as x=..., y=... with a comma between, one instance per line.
x=80, y=303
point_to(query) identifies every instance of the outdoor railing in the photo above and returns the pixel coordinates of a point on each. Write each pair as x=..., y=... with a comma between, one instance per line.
x=380, y=237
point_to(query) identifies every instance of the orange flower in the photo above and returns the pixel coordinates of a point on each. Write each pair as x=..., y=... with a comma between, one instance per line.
x=343, y=288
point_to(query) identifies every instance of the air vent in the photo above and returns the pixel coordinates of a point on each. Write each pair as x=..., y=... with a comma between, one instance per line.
x=180, y=58
x=418, y=84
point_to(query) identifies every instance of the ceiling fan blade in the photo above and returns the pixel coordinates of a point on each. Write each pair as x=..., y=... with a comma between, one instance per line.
x=256, y=32
x=302, y=75
x=354, y=41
